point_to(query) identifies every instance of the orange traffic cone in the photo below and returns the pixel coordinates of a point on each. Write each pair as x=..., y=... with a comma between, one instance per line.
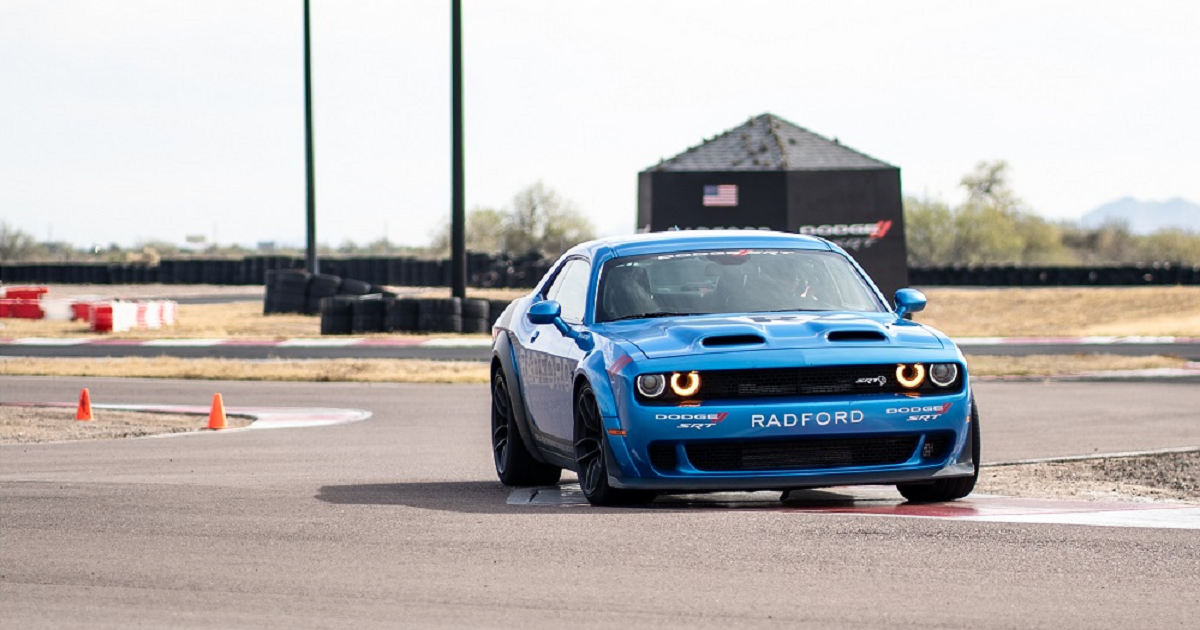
x=216, y=417
x=85, y=406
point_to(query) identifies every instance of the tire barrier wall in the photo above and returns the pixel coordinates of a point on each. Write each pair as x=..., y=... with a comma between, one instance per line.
x=345, y=314
x=485, y=271
x=1011, y=276
x=297, y=291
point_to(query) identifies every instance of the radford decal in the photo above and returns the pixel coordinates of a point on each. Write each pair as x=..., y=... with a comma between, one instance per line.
x=821, y=419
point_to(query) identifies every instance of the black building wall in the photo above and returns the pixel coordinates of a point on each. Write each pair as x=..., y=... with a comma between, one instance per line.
x=860, y=210
x=677, y=199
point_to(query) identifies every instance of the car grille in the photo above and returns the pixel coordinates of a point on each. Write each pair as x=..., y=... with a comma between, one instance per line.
x=663, y=457
x=800, y=453
x=850, y=380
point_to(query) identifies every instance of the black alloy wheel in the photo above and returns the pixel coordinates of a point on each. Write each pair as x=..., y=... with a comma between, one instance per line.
x=591, y=456
x=515, y=466
x=948, y=489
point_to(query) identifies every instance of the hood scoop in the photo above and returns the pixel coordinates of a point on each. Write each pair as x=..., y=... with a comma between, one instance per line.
x=856, y=335
x=722, y=341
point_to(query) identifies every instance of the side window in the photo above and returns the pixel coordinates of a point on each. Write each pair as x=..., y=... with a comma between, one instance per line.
x=570, y=289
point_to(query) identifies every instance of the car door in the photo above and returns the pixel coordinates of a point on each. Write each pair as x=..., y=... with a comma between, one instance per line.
x=552, y=357
x=548, y=358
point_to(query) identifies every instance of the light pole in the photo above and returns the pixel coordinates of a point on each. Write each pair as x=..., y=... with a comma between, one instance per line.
x=458, y=243
x=310, y=250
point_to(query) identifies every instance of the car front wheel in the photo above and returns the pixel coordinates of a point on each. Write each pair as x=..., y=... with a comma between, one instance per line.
x=591, y=455
x=948, y=489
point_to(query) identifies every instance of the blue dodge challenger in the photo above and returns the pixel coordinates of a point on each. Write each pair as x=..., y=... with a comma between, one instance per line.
x=726, y=360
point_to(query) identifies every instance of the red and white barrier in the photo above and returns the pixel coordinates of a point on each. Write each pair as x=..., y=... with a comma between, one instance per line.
x=102, y=315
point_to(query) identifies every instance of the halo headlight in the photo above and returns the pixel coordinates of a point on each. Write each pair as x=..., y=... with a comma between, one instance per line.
x=943, y=374
x=910, y=376
x=651, y=385
x=685, y=384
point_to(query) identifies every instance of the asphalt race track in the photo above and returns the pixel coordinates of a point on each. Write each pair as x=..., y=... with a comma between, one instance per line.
x=398, y=521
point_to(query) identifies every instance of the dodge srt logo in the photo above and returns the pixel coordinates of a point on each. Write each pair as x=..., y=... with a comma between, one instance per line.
x=873, y=380
x=922, y=414
x=693, y=420
x=851, y=236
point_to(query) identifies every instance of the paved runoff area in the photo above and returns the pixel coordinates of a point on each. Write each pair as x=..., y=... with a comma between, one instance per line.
x=398, y=520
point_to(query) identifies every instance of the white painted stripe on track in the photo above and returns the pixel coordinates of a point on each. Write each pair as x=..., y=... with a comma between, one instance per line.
x=320, y=343
x=51, y=341
x=449, y=342
x=264, y=417
x=183, y=343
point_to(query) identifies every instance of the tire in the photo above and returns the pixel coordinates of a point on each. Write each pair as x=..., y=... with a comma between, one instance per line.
x=591, y=457
x=321, y=287
x=337, y=315
x=402, y=315
x=354, y=287
x=475, y=325
x=515, y=466
x=948, y=489
x=472, y=308
x=439, y=315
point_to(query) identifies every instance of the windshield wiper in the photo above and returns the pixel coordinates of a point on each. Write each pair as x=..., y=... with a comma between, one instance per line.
x=649, y=315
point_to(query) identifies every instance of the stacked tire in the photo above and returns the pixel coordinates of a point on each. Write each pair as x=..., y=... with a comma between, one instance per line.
x=440, y=315
x=337, y=315
x=320, y=287
x=402, y=315
x=475, y=316
x=368, y=314
x=287, y=292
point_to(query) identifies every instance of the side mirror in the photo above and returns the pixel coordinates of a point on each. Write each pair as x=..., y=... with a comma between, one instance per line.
x=544, y=312
x=909, y=301
x=550, y=312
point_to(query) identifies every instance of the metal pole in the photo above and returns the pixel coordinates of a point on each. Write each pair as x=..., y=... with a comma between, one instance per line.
x=458, y=242
x=310, y=251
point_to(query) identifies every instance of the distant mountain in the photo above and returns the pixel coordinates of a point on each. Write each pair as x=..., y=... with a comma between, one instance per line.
x=1145, y=217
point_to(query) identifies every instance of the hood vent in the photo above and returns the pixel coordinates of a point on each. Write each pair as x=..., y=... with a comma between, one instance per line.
x=732, y=340
x=856, y=335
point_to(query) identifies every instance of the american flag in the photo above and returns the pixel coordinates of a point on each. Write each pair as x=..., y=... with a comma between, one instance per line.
x=723, y=196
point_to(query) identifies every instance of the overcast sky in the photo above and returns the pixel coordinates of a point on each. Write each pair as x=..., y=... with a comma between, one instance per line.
x=124, y=120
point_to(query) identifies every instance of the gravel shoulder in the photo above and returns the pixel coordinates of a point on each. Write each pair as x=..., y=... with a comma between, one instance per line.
x=1158, y=477
x=31, y=425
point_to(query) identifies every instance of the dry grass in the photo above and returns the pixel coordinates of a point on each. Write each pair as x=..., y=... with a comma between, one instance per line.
x=1064, y=365
x=1064, y=312
x=324, y=370
x=27, y=425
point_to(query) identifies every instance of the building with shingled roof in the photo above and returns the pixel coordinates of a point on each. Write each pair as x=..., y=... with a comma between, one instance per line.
x=772, y=174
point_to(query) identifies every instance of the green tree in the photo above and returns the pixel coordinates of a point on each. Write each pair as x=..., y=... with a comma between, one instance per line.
x=484, y=232
x=929, y=229
x=543, y=221
x=16, y=244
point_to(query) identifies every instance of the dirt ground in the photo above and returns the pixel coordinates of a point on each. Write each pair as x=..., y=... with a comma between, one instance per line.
x=29, y=425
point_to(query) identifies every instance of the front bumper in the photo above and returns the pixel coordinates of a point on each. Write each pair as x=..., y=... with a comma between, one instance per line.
x=779, y=444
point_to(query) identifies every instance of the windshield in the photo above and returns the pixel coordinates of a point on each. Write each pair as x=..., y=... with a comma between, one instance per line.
x=735, y=281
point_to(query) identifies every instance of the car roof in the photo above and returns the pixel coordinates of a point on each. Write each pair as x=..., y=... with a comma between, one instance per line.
x=682, y=240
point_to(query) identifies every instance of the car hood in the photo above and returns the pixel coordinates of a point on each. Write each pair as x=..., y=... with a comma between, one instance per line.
x=706, y=334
